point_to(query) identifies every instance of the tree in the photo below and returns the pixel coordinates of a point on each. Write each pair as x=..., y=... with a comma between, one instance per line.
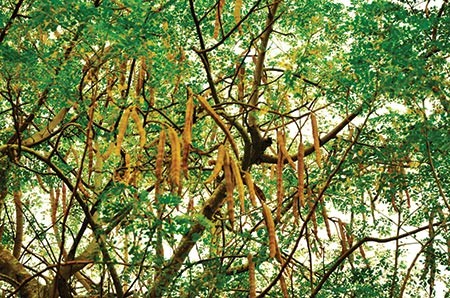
x=224, y=148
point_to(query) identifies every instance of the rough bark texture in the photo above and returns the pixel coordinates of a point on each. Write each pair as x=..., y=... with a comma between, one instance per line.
x=169, y=271
x=17, y=274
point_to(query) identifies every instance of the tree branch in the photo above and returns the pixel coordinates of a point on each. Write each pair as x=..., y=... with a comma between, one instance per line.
x=344, y=256
x=8, y=25
x=168, y=273
x=261, y=58
x=10, y=267
x=98, y=232
x=325, y=139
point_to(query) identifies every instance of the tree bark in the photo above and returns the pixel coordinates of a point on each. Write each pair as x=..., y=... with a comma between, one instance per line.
x=170, y=270
x=18, y=276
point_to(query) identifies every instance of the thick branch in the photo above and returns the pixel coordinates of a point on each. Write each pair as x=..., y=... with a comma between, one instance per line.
x=344, y=256
x=11, y=20
x=261, y=58
x=46, y=132
x=325, y=139
x=168, y=273
x=10, y=267
x=98, y=232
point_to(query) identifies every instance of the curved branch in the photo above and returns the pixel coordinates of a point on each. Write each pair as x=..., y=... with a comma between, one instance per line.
x=323, y=140
x=232, y=30
x=313, y=209
x=17, y=274
x=261, y=58
x=8, y=25
x=344, y=256
x=47, y=131
x=98, y=232
x=203, y=55
x=220, y=123
x=168, y=273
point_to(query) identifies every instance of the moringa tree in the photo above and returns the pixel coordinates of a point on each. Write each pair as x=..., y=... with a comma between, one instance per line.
x=224, y=148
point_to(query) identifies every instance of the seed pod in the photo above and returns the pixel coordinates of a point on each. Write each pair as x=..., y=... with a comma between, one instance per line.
x=295, y=209
x=240, y=185
x=240, y=84
x=151, y=91
x=220, y=123
x=251, y=188
x=252, y=277
x=313, y=210
x=64, y=198
x=175, y=167
x=219, y=164
x=283, y=287
x=187, y=131
x=159, y=161
x=98, y=168
x=282, y=145
x=122, y=129
x=280, y=189
x=141, y=76
x=19, y=222
x=89, y=141
x=315, y=132
x=54, y=209
x=108, y=151
x=325, y=219
x=301, y=173
x=126, y=175
x=217, y=25
x=343, y=233
x=270, y=224
x=229, y=183
x=237, y=11
x=140, y=127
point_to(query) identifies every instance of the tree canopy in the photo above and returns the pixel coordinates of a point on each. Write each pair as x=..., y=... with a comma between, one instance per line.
x=224, y=148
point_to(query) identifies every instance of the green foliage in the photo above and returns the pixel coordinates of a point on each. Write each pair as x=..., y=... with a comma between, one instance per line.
x=89, y=89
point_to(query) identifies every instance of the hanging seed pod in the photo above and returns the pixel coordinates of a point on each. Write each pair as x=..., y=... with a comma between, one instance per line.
x=301, y=173
x=218, y=164
x=159, y=161
x=122, y=129
x=270, y=224
x=252, y=277
x=251, y=188
x=139, y=125
x=187, y=132
x=239, y=184
x=175, y=167
x=315, y=132
x=229, y=183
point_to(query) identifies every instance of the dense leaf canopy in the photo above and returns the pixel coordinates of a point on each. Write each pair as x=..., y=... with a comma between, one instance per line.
x=224, y=148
